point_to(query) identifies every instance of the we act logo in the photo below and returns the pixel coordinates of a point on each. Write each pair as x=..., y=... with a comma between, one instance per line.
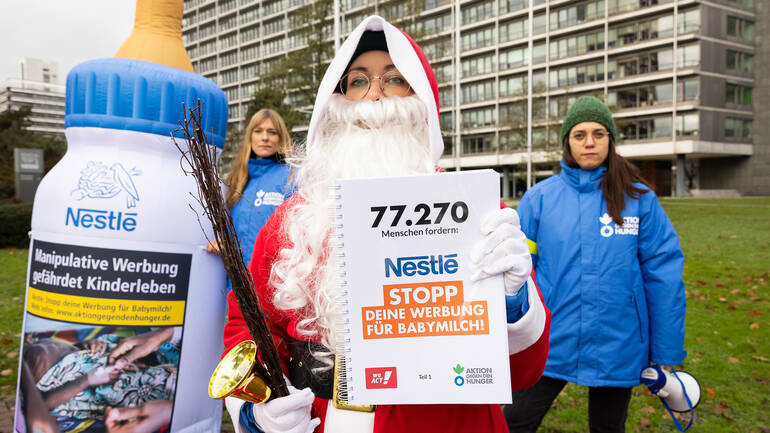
x=381, y=378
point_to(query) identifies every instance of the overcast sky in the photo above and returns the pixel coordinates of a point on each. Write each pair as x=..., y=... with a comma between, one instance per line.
x=64, y=31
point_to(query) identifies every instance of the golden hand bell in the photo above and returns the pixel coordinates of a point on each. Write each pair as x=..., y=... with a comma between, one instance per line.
x=234, y=376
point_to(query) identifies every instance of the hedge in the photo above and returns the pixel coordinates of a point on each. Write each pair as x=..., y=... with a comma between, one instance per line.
x=15, y=219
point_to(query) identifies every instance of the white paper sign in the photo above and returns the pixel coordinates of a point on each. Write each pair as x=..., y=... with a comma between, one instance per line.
x=419, y=330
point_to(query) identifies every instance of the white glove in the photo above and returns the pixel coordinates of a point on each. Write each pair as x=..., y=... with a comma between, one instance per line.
x=290, y=414
x=503, y=250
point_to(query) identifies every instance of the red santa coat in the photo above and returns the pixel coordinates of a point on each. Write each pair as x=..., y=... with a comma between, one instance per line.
x=528, y=337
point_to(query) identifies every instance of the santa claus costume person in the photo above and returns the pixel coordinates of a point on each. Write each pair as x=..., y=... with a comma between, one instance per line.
x=375, y=115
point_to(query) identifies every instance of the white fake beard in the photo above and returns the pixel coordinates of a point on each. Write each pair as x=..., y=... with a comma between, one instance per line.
x=355, y=139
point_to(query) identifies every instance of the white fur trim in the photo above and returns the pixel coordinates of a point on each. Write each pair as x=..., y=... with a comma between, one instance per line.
x=527, y=330
x=405, y=59
x=233, y=406
x=347, y=421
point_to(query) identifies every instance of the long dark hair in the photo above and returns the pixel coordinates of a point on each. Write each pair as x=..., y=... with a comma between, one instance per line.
x=618, y=180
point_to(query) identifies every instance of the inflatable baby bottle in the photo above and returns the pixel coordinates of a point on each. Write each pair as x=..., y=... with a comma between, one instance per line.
x=124, y=307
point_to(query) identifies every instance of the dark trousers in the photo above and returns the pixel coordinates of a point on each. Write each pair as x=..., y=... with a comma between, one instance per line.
x=607, y=407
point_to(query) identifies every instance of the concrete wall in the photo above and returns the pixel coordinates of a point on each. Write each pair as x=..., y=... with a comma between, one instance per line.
x=760, y=162
x=747, y=175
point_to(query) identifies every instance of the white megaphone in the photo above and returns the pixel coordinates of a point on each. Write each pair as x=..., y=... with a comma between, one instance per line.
x=679, y=390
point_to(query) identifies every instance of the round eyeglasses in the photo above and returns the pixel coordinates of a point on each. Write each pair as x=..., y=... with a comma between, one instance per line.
x=355, y=85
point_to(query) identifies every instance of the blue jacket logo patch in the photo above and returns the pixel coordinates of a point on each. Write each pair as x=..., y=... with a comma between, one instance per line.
x=630, y=226
x=268, y=198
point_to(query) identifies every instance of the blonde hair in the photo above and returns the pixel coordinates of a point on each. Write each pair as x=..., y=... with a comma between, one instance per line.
x=238, y=176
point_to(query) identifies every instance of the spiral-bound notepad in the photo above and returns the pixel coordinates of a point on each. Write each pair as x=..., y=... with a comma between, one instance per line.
x=417, y=329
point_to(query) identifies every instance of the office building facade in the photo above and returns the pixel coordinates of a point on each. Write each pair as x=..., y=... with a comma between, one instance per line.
x=678, y=74
x=46, y=101
x=36, y=70
x=37, y=87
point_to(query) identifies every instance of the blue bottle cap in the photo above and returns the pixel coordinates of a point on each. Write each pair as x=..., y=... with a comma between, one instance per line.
x=135, y=95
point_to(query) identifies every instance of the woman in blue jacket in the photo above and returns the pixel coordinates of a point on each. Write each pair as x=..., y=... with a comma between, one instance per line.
x=609, y=265
x=259, y=179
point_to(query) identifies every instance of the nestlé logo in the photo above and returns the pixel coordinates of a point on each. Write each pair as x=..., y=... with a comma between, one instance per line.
x=421, y=265
x=101, y=219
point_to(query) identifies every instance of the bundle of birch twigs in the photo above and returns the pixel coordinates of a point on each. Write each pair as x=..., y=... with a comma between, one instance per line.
x=199, y=160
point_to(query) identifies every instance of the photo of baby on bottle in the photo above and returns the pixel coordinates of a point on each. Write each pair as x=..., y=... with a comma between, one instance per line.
x=86, y=378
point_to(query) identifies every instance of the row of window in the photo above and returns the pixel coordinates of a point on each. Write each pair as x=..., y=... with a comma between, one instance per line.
x=228, y=23
x=272, y=47
x=206, y=65
x=641, y=63
x=478, y=12
x=444, y=72
x=658, y=127
x=633, y=97
x=274, y=26
x=506, y=6
x=737, y=128
x=250, y=34
x=477, y=39
x=228, y=59
x=651, y=95
x=634, y=32
x=618, y=36
x=586, y=73
x=438, y=49
x=518, y=28
x=206, y=48
x=351, y=21
x=576, y=45
x=270, y=8
x=476, y=92
x=745, y=3
x=562, y=18
x=225, y=6
x=41, y=110
x=436, y=24
x=235, y=111
x=736, y=94
x=512, y=86
x=738, y=61
x=35, y=97
x=244, y=16
x=577, y=14
x=228, y=41
x=228, y=77
x=740, y=28
x=516, y=112
x=622, y=6
x=206, y=31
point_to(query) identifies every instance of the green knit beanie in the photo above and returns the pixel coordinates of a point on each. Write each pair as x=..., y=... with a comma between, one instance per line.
x=588, y=109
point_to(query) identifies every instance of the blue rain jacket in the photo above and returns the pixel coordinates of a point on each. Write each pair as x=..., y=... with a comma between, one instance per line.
x=267, y=188
x=615, y=293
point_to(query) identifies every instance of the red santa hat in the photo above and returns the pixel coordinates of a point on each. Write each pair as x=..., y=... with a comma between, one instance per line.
x=408, y=59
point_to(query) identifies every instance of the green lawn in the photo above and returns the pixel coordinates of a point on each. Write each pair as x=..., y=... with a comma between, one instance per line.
x=13, y=269
x=726, y=245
